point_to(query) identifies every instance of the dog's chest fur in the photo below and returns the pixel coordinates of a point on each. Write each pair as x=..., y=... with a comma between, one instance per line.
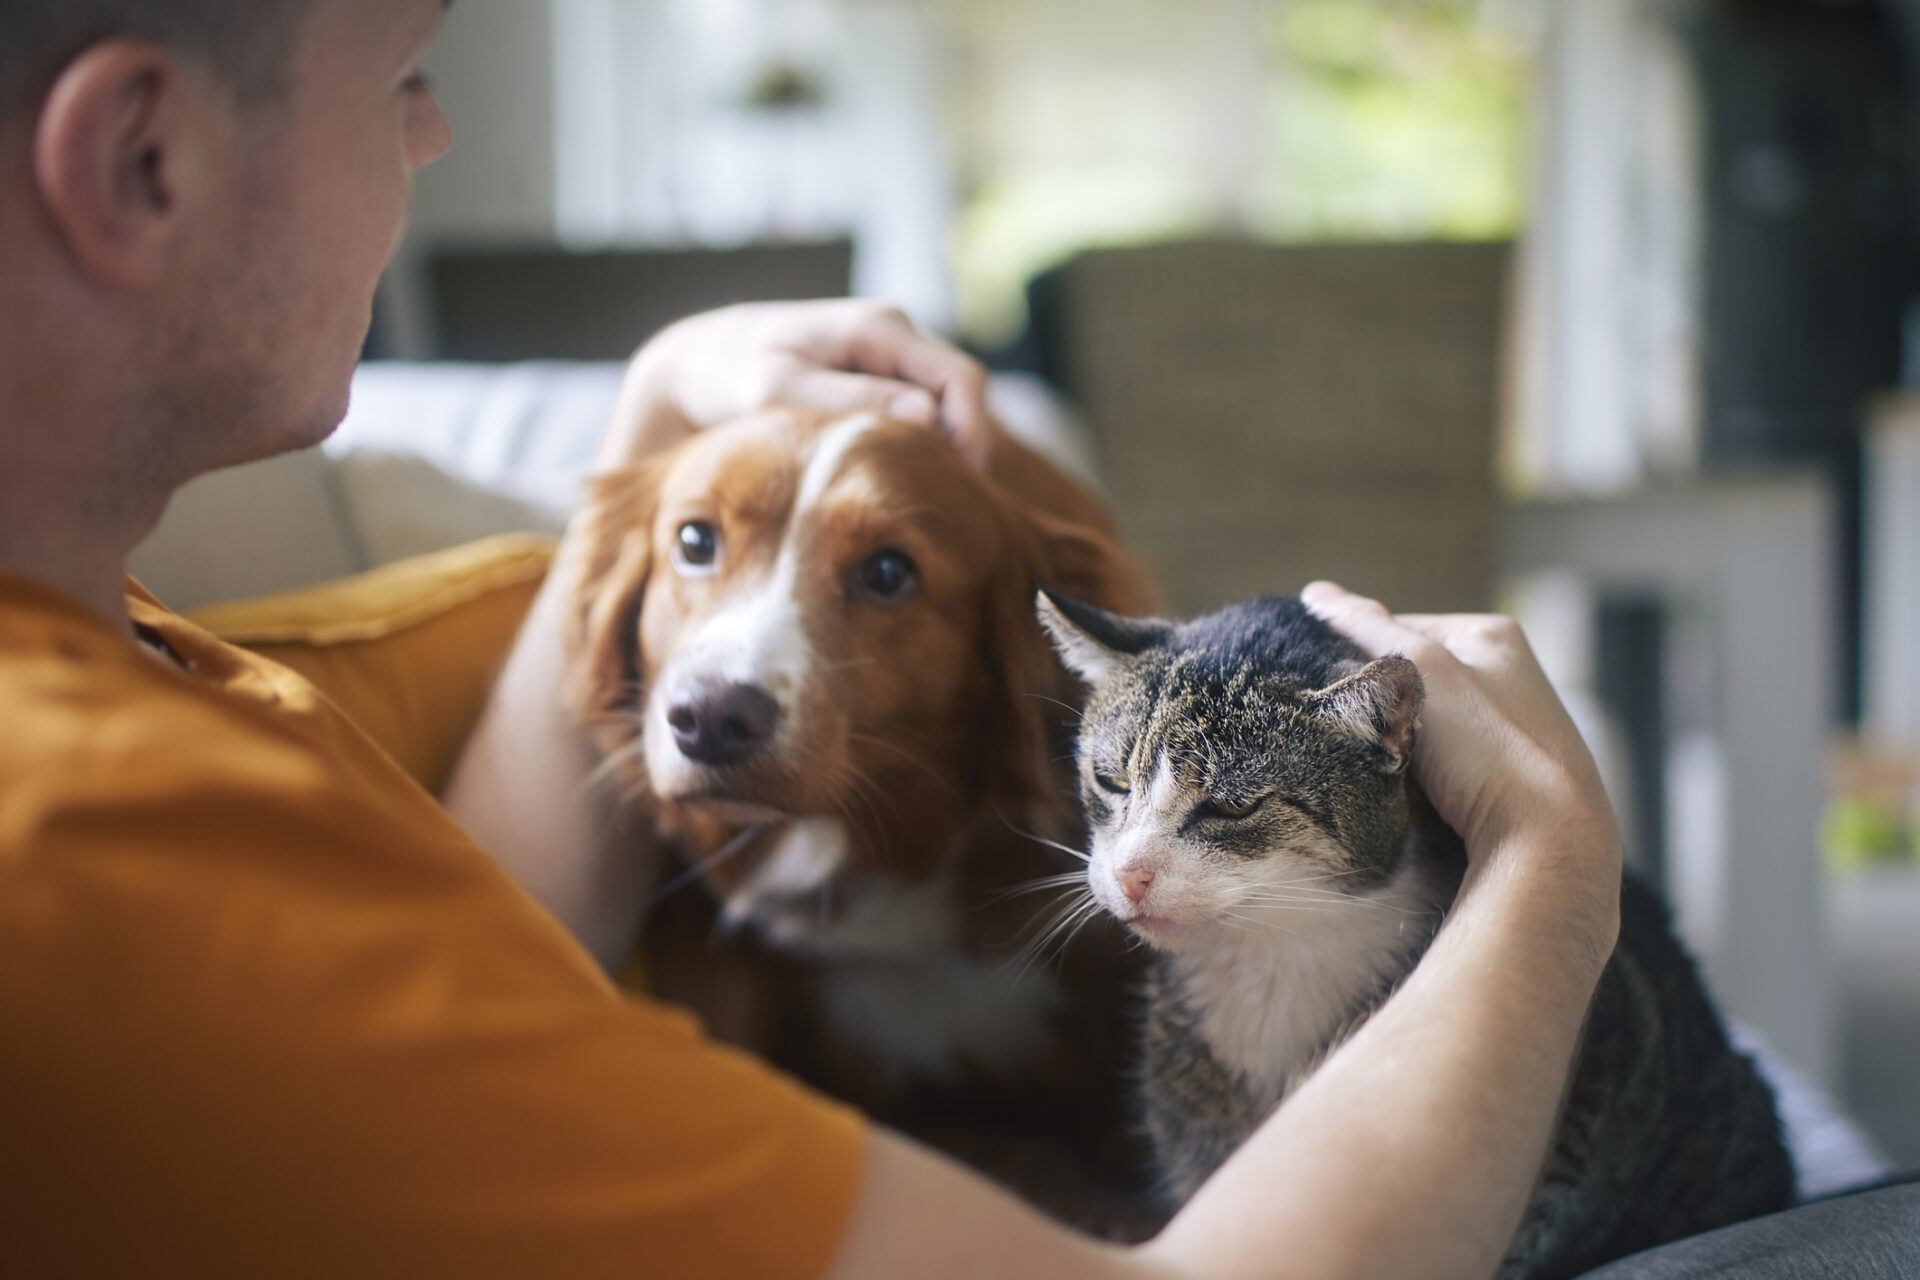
x=939, y=1016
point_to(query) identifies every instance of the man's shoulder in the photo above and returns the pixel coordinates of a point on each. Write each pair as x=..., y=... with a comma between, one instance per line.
x=89, y=718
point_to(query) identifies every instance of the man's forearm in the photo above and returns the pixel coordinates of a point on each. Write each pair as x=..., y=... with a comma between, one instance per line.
x=524, y=789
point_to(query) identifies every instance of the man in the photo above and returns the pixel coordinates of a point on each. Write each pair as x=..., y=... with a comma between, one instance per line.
x=266, y=1009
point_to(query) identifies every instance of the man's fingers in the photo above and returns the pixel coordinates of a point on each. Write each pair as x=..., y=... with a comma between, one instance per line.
x=888, y=345
x=846, y=355
x=1365, y=622
x=830, y=391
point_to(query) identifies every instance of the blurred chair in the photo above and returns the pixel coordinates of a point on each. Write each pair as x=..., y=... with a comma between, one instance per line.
x=1271, y=414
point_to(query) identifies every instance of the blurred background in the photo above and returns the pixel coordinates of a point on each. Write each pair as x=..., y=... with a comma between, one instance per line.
x=1605, y=312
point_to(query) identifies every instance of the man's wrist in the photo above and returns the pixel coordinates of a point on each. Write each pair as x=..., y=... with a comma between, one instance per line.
x=646, y=418
x=1561, y=880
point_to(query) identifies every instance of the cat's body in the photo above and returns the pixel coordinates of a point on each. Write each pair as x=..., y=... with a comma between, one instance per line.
x=1245, y=783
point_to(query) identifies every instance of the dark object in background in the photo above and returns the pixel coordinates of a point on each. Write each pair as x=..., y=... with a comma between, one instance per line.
x=1630, y=660
x=502, y=303
x=1811, y=253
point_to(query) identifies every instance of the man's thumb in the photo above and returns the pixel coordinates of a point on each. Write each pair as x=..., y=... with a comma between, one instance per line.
x=1365, y=622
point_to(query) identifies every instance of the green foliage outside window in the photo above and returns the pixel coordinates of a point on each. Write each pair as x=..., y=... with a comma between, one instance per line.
x=1382, y=119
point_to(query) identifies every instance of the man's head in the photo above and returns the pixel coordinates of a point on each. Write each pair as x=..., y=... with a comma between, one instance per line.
x=197, y=199
x=248, y=42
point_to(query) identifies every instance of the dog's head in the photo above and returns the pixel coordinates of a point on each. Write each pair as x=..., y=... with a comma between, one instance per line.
x=808, y=645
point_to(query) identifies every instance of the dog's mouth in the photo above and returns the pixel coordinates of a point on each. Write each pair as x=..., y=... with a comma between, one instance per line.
x=733, y=808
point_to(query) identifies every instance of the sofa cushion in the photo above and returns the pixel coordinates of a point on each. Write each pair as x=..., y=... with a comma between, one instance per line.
x=263, y=527
x=408, y=651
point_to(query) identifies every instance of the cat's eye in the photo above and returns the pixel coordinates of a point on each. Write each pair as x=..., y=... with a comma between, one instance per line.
x=1216, y=807
x=696, y=547
x=1110, y=783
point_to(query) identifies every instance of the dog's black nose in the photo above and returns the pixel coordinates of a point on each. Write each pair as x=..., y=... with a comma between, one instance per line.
x=722, y=723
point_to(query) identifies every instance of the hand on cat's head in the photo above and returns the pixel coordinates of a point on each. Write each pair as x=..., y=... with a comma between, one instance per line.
x=1497, y=753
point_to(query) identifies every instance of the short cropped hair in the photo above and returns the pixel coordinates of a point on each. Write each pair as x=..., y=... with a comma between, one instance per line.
x=247, y=42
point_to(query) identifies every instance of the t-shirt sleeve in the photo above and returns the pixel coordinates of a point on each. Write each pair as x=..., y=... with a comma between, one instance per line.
x=252, y=1035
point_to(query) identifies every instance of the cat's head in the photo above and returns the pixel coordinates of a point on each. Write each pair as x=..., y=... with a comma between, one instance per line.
x=1245, y=766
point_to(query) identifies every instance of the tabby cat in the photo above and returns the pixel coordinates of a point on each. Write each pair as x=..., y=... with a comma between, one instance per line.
x=1245, y=782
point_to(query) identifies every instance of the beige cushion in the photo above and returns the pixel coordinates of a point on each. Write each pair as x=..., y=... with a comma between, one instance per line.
x=265, y=527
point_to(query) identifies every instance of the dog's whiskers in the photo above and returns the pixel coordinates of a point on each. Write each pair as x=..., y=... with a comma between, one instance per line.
x=703, y=865
x=615, y=762
x=942, y=779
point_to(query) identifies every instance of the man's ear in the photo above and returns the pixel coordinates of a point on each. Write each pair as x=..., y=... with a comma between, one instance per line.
x=1092, y=642
x=123, y=145
x=605, y=681
x=1377, y=706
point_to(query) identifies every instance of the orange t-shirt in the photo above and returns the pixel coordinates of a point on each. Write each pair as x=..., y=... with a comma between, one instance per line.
x=265, y=1010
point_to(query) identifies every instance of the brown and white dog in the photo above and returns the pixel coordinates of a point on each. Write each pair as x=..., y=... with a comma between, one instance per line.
x=807, y=651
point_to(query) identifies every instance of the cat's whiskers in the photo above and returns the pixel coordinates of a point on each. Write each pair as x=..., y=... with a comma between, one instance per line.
x=1249, y=922
x=1037, y=838
x=1068, y=919
x=1065, y=880
x=1328, y=902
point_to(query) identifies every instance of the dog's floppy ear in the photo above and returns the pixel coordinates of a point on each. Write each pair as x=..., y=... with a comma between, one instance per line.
x=1074, y=560
x=1088, y=565
x=604, y=682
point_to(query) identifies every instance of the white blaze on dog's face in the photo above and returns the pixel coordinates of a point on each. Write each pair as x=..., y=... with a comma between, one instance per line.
x=818, y=631
x=733, y=683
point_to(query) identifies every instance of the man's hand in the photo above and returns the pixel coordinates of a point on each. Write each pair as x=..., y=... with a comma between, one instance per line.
x=1497, y=753
x=839, y=356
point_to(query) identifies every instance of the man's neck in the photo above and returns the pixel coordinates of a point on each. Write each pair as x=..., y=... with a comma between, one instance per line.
x=69, y=522
x=92, y=577
x=76, y=495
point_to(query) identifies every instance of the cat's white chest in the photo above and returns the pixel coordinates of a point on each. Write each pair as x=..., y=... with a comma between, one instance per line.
x=1270, y=998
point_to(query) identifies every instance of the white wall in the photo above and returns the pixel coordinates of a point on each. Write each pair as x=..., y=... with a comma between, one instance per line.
x=1609, y=368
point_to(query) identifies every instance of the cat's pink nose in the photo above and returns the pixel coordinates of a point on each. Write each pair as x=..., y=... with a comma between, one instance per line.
x=1134, y=879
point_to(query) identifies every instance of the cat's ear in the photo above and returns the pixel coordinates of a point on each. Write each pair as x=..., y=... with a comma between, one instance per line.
x=1378, y=705
x=1092, y=642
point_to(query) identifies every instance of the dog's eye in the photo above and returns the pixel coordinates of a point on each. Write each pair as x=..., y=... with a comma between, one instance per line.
x=888, y=574
x=1109, y=782
x=697, y=545
x=1215, y=807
